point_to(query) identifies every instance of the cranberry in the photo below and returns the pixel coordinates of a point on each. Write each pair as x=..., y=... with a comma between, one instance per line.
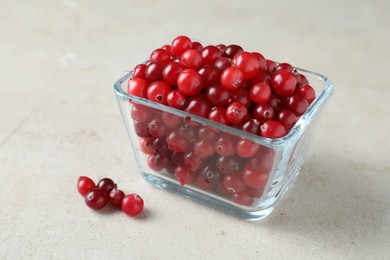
x=177, y=143
x=140, y=113
x=210, y=54
x=159, y=161
x=171, y=120
x=218, y=95
x=160, y=55
x=242, y=96
x=251, y=126
x=218, y=114
x=262, y=62
x=263, y=160
x=177, y=158
x=84, y=185
x=210, y=75
x=247, y=148
x=261, y=77
x=137, y=87
x=171, y=72
x=183, y=175
x=297, y=104
x=247, y=63
x=141, y=129
x=303, y=80
x=192, y=161
x=197, y=46
x=275, y=102
x=287, y=118
x=146, y=145
x=154, y=71
x=139, y=71
x=272, y=129
x=307, y=92
x=96, y=199
x=211, y=176
x=233, y=183
x=160, y=146
x=152, y=163
x=157, y=128
x=231, y=50
x=221, y=47
x=271, y=66
x=191, y=59
x=199, y=105
x=236, y=112
x=132, y=205
x=158, y=91
x=115, y=197
x=166, y=48
x=222, y=63
x=106, y=185
x=180, y=44
x=188, y=131
x=176, y=99
x=206, y=134
x=284, y=83
x=231, y=78
x=260, y=93
x=284, y=66
x=203, y=184
x=229, y=165
x=203, y=149
x=253, y=178
x=243, y=198
x=263, y=112
x=225, y=145
x=190, y=82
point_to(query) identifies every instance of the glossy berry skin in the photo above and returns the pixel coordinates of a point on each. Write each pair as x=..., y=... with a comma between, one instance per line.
x=115, y=197
x=240, y=95
x=222, y=63
x=218, y=95
x=189, y=82
x=231, y=50
x=160, y=55
x=287, y=118
x=197, y=46
x=218, y=114
x=141, y=129
x=272, y=129
x=297, y=104
x=137, y=87
x=225, y=145
x=246, y=148
x=284, y=83
x=106, y=185
x=210, y=75
x=260, y=93
x=284, y=66
x=247, y=63
x=307, y=92
x=210, y=54
x=199, y=105
x=84, y=185
x=261, y=77
x=176, y=99
x=154, y=71
x=177, y=142
x=96, y=199
x=180, y=44
x=132, y=205
x=191, y=59
x=158, y=91
x=236, y=112
x=232, y=78
x=251, y=126
x=263, y=112
x=171, y=72
x=139, y=71
x=270, y=66
x=261, y=60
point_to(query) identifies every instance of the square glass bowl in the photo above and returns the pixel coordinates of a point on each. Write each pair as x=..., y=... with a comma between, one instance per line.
x=217, y=180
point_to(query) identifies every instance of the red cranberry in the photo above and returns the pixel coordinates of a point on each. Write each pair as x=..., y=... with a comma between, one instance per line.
x=233, y=183
x=137, y=87
x=191, y=59
x=251, y=126
x=236, y=112
x=197, y=46
x=261, y=77
x=146, y=145
x=231, y=50
x=218, y=114
x=171, y=72
x=192, y=161
x=243, y=198
x=190, y=82
x=177, y=158
x=106, y=185
x=242, y=96
x=157, y=128
x=177, y=143
x=211, y=176
x=284, y=83
x=160, y=146
x=84, y=185
x=171, y=120
x=222, y=63
x=96, y=199
x=154, y=71
x=260, y=93
x=307, y=92
x=297, y=104
x=180, y=44
x=141, y=129
x=272, y=129
x=247, y=63
x=271, y=66
x=284, y=66
x=231, y=78
x=253, y=178
x=229, y=165
x=247, y=148
x=210, y=75
x=263, y=112
x=115, y=197
x=218, y=95
x=158, y=91
x=139, y=113
x=139, y=71
x=132, y=205
x=183, y=175
x=287, y=118
x=262, y=62
x=203, y=149
x=210, y=54
x=225, y=145
x=176, y=99
x=263, y=160
x=199, y=105
x=160, y=55
x=206, y=134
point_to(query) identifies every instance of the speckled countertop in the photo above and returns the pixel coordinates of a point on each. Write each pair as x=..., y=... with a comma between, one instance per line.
x=59, y=119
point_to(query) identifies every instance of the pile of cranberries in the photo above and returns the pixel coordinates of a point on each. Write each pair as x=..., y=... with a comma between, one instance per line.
x=224, y=84
x=97, y=196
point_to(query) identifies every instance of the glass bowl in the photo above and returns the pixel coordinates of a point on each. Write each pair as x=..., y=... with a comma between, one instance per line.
x=218, y=180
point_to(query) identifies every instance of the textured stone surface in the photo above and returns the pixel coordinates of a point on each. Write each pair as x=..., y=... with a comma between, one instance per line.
x=59, y=119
